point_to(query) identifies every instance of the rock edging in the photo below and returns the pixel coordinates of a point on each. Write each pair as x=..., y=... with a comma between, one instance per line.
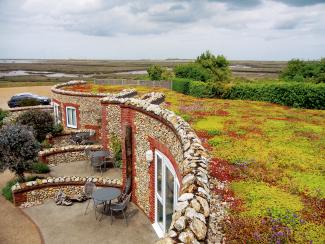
x=57, y=89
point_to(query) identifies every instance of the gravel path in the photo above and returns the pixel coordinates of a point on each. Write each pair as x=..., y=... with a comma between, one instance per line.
x=7, y=92
x=15, y=225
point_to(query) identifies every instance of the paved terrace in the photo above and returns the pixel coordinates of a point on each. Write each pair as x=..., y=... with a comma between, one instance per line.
x=68, y=224
x=83, y=169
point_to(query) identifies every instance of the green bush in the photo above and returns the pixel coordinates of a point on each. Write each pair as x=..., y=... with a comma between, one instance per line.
x=218, y=66
x=155, y=72
x=192, y=71
x=181, y=85
x=6, y=190
x=303, y=95
x=46, y=144
x=200, y=89
x=41, y=121
x=57, y=129
x=301, y=71
x=3, y=114
x=40, y=168
x=117, y=150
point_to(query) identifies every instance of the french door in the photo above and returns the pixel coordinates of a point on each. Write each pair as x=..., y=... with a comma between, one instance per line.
x=166, y=193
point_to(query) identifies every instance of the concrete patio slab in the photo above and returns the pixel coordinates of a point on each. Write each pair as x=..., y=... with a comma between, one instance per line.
x=60, y=225
x=83, y=169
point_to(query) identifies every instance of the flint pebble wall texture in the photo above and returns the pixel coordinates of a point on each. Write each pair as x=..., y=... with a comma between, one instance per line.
x=190, y=221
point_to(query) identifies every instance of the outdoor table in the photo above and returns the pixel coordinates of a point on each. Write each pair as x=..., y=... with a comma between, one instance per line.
x=106, y=194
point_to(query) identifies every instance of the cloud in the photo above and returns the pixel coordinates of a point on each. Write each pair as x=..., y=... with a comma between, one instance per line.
x=176, y=27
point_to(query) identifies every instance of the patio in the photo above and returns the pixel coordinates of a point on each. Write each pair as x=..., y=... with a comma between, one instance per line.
x=83, y=169
x=69, y=225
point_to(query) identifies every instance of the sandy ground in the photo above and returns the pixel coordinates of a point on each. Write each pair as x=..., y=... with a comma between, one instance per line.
x=15, y=226
x=7, y=92
x=62, y=224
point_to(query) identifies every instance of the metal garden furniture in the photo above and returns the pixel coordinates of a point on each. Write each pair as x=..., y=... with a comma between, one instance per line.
x=105, y=195
x=120, y=207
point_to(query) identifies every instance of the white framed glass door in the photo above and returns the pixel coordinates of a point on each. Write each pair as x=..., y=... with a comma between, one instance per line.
x=166, y=193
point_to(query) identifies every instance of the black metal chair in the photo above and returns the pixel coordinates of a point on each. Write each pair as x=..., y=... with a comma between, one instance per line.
x=120, y=207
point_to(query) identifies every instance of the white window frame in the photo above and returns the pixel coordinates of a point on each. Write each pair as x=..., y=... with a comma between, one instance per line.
x=71, y=125
x=160, y=230
x=56, y=112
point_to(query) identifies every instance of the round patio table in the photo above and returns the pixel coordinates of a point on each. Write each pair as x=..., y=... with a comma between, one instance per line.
x=106, y=194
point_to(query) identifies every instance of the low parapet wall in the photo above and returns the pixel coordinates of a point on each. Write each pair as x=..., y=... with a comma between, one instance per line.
x=66, y=154
x=42, y=189
x=190, y=221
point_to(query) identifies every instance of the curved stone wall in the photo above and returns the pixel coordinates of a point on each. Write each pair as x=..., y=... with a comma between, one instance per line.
x=66, y=154
x=161, y=129
x=36, y=192
x=87, y=104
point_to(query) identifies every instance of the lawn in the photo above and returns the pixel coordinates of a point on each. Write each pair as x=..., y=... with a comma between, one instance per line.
x=273, y=158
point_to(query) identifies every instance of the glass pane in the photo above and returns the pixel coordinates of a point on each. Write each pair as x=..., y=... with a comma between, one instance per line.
x=69, y=116
x=74, y=121
x=160, y=217
x=159, y=176
x=169, y=197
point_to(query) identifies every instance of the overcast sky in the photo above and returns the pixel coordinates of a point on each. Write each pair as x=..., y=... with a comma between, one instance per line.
x=124, y=29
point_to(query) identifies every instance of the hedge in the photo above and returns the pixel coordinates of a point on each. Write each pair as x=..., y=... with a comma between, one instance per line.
x=303, y=95
x=200, y=89
x=181, y=85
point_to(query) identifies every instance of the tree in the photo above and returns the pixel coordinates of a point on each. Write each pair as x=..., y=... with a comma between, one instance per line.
x=41, y=121
x=218, y=66
x=192, y=71
x=155, y=72
x=18, y=149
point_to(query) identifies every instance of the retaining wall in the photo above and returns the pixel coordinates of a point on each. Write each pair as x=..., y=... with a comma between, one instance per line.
x=35, y=192
x=66, y=154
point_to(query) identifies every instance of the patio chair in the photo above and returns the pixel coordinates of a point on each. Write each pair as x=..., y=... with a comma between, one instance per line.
x=89, y=189
x=120, y=207
x=98, y=163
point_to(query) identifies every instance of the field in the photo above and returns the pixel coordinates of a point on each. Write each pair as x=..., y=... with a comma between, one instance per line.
x=273, y=158
x=91, y=69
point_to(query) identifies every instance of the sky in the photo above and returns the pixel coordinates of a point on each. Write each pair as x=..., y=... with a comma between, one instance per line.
x=156, y=29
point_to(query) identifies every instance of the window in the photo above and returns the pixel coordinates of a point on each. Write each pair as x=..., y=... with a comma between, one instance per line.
x=71, y=116
x=57, y=113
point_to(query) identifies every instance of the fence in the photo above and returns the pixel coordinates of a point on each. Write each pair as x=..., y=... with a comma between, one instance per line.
x=121, y=82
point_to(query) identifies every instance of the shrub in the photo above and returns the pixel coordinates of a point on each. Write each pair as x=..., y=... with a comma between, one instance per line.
x=192, y=71
x=117, y=150
x=46, y=144
x=6, y=190
x=3, y=114
x=181, y=85
x=155, y=72
x=304, y=95
x=41, y=121
x=300, y=71
x=18, y=149
x=167, y=75
x=57, y=129
x=218, y=66
x=40, y=168
x=200, y=89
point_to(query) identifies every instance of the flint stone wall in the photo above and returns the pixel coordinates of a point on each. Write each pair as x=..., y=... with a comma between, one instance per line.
x=64, y=139
x=190, y=221
x=89, y=103
x=42, y=189
x=66, y=154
